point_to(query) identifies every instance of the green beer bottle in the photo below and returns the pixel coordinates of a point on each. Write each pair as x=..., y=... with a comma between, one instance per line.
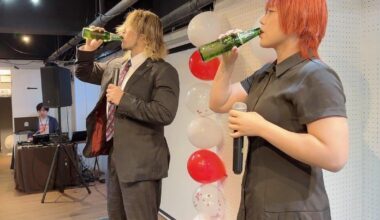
x=87, y=33
x=215, y=48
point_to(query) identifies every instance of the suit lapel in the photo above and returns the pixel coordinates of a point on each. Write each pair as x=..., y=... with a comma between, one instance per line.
x=145, y=67
x=115, y=67
x=117, y=64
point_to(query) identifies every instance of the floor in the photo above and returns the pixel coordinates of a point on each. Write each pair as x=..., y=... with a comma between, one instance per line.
x=75, y=203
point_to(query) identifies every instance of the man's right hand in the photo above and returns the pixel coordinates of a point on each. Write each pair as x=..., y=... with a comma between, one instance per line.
x=92, y=45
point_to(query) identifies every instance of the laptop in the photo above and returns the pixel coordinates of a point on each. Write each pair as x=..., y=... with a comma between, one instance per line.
x=24, y=124
x=79, y=137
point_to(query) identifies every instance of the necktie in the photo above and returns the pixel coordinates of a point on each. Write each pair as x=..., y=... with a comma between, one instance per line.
x=112, y=108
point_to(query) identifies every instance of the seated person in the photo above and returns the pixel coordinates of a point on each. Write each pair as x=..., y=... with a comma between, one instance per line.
x=47, y=124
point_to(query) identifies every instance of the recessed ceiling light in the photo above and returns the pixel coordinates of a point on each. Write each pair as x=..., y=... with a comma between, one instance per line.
x=25, y=39
x=35, y=2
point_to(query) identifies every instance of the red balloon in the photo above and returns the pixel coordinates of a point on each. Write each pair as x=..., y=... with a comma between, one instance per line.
x=203, y=70
x=205, y=166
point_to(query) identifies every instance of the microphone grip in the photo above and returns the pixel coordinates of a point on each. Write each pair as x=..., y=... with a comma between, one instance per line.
x=116, y=77
x=238, y=155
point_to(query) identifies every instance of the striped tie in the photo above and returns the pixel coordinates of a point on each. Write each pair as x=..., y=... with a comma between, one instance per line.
x=112, y=108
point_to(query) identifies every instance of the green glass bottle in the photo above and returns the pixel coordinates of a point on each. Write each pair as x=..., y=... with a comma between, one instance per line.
x=215, y=48
x=87, y=33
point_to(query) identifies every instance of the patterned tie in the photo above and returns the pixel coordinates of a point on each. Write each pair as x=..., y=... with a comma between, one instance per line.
x=112, y=108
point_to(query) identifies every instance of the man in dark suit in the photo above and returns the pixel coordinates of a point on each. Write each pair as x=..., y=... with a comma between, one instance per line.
x=46, y=123
x=128, y=121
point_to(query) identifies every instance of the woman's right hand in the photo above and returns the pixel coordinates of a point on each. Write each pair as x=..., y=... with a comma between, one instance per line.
x=93, y=44
x=229, y=58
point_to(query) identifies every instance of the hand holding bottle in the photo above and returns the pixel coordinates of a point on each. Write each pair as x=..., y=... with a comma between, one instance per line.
x=226, y=42
x=93, y=44
x=229, y=58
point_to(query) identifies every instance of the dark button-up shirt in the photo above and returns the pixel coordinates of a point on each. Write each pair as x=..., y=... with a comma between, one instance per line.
x=291, y=94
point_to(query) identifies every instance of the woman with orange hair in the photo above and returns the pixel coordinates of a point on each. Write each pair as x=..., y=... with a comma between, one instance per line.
x=296, y=121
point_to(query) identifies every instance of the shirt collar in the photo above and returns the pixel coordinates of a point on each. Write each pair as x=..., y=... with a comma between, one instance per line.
x=137, y=60
x=270, y=68
x=288, y=63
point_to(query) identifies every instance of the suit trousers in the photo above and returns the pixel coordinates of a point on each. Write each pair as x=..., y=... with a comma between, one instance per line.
x=131, y=201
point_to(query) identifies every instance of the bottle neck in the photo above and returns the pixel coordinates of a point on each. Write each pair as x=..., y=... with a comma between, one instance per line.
x=115, y=37
x=245, y=36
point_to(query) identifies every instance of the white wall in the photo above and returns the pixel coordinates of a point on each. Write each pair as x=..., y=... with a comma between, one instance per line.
x=178, y=188
x=24, y=100
x=370, y=108
x=340, y=50
x=27, y=74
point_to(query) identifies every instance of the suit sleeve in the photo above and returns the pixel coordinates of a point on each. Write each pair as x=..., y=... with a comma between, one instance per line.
x=86, y=69
x=163, y=106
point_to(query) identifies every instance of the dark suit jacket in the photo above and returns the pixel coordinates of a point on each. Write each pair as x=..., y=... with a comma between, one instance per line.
x=150, y=102
x=53, y=125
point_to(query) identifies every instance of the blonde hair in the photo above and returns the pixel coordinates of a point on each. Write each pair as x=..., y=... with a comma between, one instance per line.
x=149, y=24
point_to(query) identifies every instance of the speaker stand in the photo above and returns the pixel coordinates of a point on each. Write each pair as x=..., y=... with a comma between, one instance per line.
x=54, y=163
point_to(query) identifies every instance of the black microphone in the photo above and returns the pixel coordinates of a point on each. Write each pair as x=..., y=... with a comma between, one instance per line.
x=237, y=163
x=116, y=76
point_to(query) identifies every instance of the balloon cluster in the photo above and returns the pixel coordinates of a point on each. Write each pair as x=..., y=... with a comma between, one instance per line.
x=203, y=28
x=204, y=165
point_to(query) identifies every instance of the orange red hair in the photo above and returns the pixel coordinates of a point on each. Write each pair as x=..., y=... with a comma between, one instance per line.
x=305, y=18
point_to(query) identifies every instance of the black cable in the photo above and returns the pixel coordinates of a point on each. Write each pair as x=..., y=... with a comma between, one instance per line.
x=114, y=15
x=100, y=15
x=20, y=64
x=19, y=51
x=73, y=54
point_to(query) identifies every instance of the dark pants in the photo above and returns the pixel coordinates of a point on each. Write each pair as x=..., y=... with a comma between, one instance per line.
x=132, y=201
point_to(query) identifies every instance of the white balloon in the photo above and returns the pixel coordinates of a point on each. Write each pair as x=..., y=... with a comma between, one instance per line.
x=264, y=55
x=9, y=142
x=202, y=217
x=204, y=28
x=206, y=217
x=197, y=99
x=209, y=201
x=204, y=133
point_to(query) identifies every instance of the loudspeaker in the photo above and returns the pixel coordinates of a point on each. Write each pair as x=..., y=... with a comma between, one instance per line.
x=56, y=86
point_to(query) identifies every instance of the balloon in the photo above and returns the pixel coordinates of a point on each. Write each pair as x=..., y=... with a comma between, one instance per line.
x=204, y=28
x=206, y=217
x=204, y=133
x=209, y=201
x=202, y=217
x=264, y=55
x=205, y=166
x=203, y=70
x=9, y=142
x=197, y=99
